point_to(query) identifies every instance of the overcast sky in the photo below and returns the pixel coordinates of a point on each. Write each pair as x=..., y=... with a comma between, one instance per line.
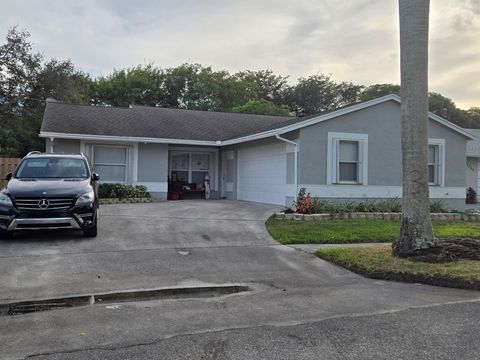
x=354, y=40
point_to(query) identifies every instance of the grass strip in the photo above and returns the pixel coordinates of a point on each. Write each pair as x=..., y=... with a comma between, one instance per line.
x=350, y=231
x=377, y=262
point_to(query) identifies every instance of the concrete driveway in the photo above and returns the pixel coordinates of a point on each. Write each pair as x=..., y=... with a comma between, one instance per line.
x=185, y=244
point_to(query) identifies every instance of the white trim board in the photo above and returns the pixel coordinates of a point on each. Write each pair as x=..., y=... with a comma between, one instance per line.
x=377, y=191
x=128, y=139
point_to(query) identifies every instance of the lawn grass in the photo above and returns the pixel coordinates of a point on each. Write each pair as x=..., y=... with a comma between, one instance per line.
x=378, y=263
x=357, y=231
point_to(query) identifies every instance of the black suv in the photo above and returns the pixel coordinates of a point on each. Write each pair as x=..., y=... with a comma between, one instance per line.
x=50, y=191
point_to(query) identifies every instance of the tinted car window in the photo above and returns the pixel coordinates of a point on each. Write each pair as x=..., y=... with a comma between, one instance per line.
x=52, y=168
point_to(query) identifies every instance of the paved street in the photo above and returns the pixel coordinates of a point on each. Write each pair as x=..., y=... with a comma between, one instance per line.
x=299, y=306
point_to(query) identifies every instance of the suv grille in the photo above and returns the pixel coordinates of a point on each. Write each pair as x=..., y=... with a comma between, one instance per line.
x=43, y=203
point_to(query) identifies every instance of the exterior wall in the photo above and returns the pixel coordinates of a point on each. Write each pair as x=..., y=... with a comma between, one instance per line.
x=455, y=154
x=472, y=173
x=147, y=164
x=64, y=146
x=228, y=165
x=382, y=124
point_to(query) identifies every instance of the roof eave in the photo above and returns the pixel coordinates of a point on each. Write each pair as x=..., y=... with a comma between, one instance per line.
x=58, y=135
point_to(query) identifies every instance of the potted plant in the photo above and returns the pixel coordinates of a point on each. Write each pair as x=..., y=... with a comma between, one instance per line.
x=175, y=188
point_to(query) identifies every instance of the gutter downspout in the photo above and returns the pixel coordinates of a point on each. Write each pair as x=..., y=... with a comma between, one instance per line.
x=278, y=137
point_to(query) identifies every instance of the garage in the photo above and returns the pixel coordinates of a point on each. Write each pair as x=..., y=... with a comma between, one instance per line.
x=262, y=174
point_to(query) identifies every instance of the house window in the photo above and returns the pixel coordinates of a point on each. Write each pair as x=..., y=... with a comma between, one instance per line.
x=347, y=158
x=348, y=161
x=111, y=163
x=190, y=167
x=434, y=164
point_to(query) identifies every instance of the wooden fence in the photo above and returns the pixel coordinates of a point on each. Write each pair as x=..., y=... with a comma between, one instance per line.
x=7, y=165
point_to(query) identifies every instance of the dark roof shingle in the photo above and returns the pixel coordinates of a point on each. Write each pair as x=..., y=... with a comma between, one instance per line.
x=150, y=122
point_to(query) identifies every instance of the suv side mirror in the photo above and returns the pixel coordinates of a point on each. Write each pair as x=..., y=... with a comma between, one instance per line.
x=95, y=177
x=8, y=177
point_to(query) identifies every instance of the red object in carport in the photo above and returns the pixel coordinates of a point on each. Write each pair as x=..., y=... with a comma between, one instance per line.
x=174, y=196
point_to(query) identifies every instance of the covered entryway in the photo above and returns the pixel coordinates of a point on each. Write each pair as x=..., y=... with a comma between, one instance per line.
x=262, y=174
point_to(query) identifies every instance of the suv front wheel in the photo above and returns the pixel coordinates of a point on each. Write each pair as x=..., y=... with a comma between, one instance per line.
x=90, y=232
x=5, y=235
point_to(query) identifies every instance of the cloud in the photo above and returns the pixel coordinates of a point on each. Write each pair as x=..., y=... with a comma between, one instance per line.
x=354, y=40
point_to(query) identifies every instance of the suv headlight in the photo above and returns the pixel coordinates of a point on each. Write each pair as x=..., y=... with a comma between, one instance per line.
x=86, y=198
x=5, y=199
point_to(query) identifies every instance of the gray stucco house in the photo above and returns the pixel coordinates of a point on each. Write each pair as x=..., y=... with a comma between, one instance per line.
x=473, y=161
x=350, y=153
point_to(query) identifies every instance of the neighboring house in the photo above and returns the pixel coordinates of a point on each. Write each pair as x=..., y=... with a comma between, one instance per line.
x=350, y=153
x=473, y=161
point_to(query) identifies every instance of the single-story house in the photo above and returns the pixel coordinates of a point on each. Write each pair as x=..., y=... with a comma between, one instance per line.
x=473, y=161
x=350, y=153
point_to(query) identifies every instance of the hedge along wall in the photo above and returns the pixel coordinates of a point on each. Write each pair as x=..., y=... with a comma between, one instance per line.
x=374, y=216
x=129, y=201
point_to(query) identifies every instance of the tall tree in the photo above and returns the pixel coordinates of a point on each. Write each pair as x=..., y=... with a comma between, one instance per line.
x=319, y=93
x=379, y=90
x=55, y=79
x=25, y=82
x=214, y=91
x=416, y=233
x=138, y=85
x=446, y=108
x=262, y=107
x=18, y=70
x=474, y=114
x=264, y=84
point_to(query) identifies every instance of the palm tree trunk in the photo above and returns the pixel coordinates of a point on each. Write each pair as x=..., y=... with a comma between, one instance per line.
x=416, y=233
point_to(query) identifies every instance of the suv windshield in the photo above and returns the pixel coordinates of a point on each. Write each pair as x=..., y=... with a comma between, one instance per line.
x=54, y=167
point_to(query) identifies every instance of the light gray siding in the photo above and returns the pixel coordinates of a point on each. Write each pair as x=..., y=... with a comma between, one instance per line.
x=228, y=173
x=455, y=153
x=472, y=173
x=382, y=125
x=152, y=162
x=64, y=146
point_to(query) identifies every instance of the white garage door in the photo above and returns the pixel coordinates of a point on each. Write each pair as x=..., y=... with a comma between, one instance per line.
x=262, y=174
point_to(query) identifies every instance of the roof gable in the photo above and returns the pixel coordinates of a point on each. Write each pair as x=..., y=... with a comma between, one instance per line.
x=316, y=119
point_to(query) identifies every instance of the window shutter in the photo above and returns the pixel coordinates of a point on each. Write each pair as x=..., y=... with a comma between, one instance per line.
x=335, y=152
x=438, y=154
x=360, y=162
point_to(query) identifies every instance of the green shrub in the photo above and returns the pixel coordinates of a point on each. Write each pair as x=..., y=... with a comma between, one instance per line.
x=392, y=205
x=122, y=191
x=438, y=207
